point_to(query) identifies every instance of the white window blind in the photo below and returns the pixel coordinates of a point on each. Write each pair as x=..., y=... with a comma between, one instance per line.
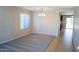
x=24, y=21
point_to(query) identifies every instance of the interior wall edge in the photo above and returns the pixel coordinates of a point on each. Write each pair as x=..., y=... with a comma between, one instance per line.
x=13, y=38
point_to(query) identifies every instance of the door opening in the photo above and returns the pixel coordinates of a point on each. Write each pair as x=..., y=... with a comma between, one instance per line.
x=69, y=23
x=66, y=22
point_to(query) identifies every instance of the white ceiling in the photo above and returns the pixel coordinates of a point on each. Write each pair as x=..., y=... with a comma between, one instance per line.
x=38, y=8
x=62, y=9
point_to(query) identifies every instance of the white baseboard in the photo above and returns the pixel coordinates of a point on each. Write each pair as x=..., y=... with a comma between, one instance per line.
x=45, y=33
x=13, y=38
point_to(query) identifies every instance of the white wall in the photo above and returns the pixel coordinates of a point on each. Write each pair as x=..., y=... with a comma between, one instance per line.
x=10, y=23
x=48, y=24
x=76, y=28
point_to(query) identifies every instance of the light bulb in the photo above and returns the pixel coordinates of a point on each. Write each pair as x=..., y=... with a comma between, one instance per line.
x=40, y=15
x=43, y=14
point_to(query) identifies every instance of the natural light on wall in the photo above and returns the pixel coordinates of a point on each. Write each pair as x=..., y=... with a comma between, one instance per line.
x=24, y=21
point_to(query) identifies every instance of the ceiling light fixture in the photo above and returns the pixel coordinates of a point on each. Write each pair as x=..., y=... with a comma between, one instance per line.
x=42, y=12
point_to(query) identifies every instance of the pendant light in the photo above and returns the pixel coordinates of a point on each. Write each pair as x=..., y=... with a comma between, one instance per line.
x=42, y=13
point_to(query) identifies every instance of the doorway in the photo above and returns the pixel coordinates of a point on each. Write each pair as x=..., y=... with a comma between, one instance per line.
x=66, y=22
x=66, y=29
x=69, y=23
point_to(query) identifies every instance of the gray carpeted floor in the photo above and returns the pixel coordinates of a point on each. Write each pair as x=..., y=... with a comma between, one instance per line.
x=30, y=43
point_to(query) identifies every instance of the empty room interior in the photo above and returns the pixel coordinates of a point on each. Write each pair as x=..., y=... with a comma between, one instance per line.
x=39, y=29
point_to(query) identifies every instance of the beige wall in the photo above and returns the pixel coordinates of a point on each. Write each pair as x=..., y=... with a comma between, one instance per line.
x=10, y=23
x=48, y=24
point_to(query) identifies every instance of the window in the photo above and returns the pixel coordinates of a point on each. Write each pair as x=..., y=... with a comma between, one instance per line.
x=24, y=21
